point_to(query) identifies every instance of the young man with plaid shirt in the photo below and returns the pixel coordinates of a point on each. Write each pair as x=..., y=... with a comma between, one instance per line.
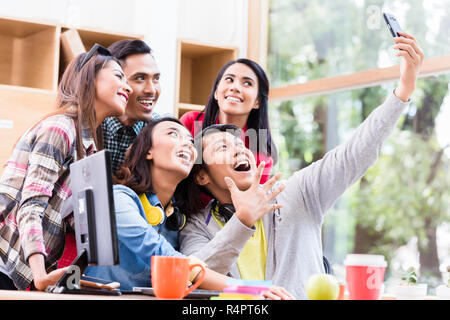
x=143, y=75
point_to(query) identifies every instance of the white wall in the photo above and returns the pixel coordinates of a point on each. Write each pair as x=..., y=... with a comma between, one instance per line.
x=214, y=21
x=157, y=21
x=161, y=22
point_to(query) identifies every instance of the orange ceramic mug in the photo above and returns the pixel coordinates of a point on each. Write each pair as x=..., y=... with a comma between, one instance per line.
x=170, y=276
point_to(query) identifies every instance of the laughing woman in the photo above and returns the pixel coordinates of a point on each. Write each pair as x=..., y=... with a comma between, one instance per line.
x=240, y=96
x=147, y=216
x=35, y=181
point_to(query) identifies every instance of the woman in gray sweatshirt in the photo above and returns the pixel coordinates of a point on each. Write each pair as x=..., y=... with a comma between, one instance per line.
x=282, y=242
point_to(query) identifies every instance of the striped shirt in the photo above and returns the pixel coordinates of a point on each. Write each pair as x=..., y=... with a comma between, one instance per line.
x=33, y=186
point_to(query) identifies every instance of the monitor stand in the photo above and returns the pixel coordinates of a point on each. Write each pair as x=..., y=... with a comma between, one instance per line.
x=69, y=283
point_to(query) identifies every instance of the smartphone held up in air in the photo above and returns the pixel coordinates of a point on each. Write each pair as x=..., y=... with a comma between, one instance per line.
x=392, y=24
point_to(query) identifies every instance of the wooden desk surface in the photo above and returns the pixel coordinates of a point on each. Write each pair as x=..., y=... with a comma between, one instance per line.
x=37, y=295
x=388, y=296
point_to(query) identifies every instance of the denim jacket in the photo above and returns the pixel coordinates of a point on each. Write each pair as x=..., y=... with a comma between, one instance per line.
x=170, y=235
x=138, y=242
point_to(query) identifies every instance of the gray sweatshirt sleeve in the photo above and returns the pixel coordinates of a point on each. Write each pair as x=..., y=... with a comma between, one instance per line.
x=218, y=251
x=325, y=180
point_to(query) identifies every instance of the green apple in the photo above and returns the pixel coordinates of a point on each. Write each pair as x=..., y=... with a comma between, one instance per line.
x=322, y=287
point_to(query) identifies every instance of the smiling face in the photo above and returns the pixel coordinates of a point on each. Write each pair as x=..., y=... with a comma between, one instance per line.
x=172, y=150
x=237, y=91
x=111, y=91
x=143, y=76
x=225, y=156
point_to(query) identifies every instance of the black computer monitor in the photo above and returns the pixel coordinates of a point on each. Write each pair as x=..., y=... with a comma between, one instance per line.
x=93, y=209
x=92, y=203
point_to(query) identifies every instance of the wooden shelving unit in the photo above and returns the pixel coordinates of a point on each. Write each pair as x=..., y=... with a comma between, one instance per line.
x=31, y=62
x=29, y=54
x=34, y=55
x=88, y=38
x=197, y=67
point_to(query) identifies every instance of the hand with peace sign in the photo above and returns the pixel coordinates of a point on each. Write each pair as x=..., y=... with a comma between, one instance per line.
x=253, y=203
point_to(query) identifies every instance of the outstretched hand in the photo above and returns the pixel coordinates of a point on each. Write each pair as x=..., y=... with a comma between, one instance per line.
x=253, y=203
x=410, y=65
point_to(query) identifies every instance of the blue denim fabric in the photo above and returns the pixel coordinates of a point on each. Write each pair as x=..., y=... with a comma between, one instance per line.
x=170, y=235
x=138, y=242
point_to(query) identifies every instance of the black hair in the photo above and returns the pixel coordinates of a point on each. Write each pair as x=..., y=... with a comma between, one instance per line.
x=135, y=173
x=214, y=128
x=258, y=118
x=123, y=48
x=188, y=193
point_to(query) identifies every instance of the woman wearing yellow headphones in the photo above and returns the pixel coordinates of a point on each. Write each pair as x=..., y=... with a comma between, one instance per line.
x=147, y=217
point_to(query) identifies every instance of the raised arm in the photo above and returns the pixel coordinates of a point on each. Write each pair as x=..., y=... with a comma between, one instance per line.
x=324, y=181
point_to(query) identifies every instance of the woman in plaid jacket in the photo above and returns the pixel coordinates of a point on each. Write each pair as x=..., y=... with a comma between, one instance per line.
x=35, y=181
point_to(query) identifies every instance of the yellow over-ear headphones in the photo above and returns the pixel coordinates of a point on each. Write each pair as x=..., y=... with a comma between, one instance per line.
x=154, y=215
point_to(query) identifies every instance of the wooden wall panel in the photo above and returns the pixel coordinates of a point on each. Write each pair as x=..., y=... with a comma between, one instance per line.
x=20, y=109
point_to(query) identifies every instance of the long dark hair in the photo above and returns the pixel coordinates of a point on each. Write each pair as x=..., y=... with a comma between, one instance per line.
x=77, y=88
x=134, y=172
x=188, y=192
x=258, y=118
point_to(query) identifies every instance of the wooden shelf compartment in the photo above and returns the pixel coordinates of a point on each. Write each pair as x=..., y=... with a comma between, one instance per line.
x=186, y=107
x=87, y=37
x=29, y=54
x=197, y=67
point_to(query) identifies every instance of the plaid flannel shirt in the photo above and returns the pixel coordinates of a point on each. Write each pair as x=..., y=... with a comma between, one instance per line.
x=117, y=138
x=33, y=186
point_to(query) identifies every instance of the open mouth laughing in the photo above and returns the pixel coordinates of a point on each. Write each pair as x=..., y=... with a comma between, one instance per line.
x=242, y=165
x=185, y=155
x=147, y=102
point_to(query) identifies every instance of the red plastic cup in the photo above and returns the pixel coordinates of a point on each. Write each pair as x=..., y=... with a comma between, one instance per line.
x=364, y=275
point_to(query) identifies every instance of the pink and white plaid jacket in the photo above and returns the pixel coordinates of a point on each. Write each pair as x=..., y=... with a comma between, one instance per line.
x=33, y=186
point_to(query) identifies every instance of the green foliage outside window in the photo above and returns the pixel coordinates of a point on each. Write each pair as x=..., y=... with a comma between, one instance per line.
x=406, y=193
